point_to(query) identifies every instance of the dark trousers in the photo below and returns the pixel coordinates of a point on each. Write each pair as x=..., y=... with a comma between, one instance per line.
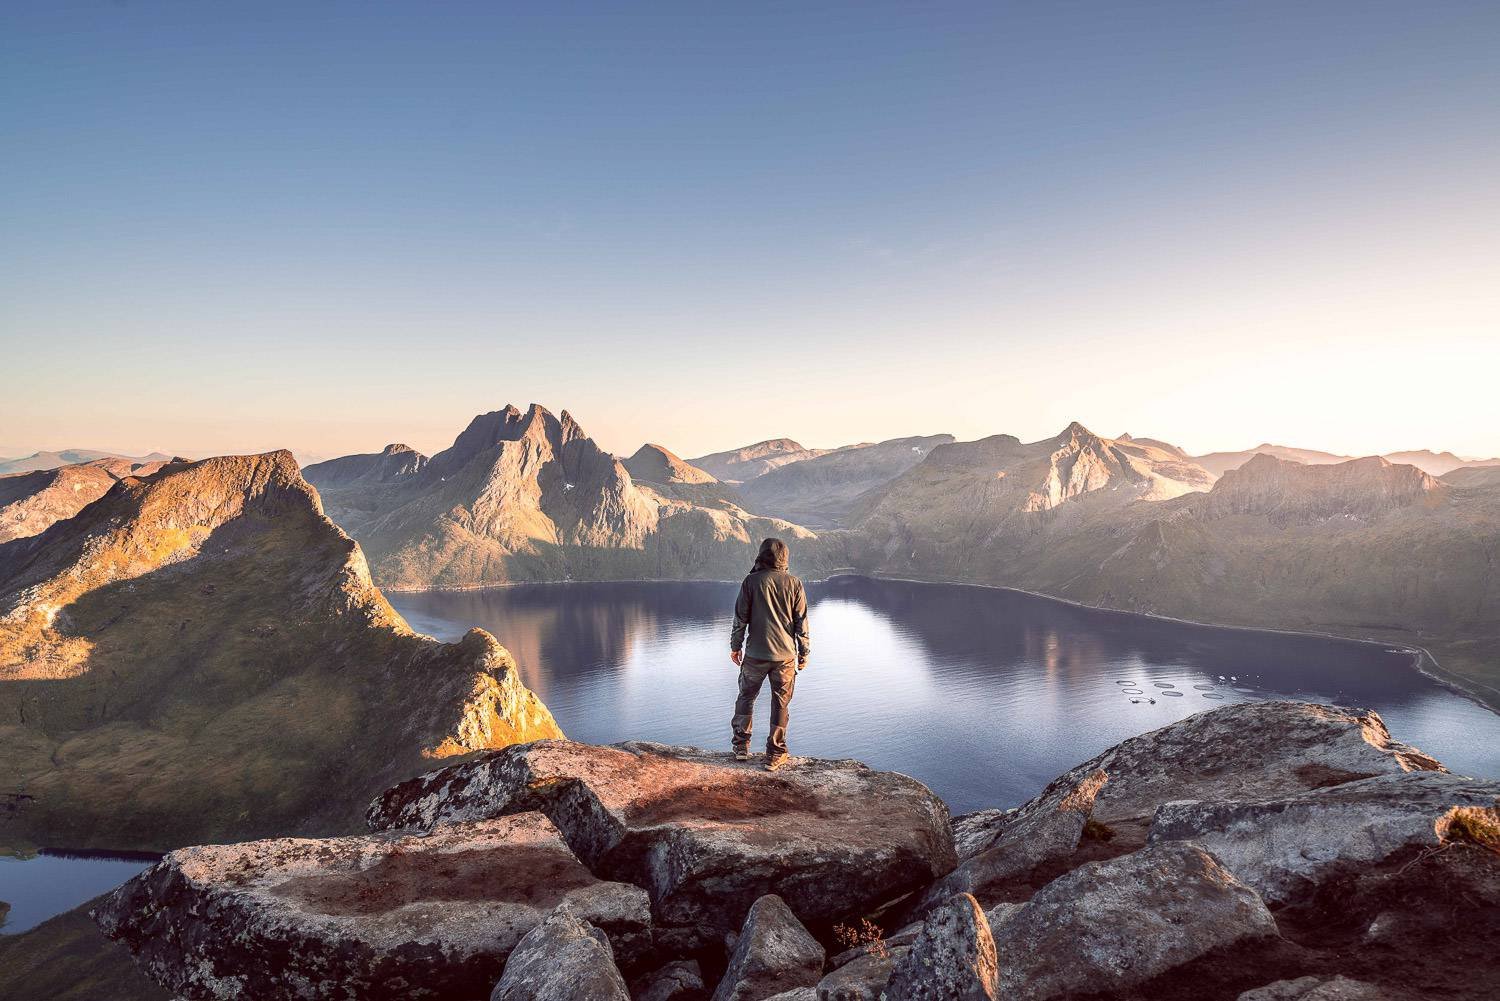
x=753, y=674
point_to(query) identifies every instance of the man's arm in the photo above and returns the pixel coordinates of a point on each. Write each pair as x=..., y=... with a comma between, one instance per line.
x=800, y=630
x=741, y=622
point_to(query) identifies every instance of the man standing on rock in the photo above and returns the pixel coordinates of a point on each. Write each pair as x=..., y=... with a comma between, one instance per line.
x=770, y=640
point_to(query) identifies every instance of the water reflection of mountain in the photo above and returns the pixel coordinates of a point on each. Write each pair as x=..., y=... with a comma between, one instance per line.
x=560, y=632
x=960, y=625
x=1009, y=689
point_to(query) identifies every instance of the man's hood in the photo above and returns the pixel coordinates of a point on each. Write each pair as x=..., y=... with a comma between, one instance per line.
x=772, y=556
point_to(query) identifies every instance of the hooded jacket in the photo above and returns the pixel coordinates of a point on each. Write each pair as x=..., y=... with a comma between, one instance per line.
x=770, y=614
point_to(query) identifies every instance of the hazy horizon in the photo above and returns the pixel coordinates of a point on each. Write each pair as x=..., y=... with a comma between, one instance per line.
x=333, y=227
x=624, y=450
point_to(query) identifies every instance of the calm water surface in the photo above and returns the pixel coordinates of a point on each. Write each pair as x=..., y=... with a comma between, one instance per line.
x=983, y=694
x=48, y=884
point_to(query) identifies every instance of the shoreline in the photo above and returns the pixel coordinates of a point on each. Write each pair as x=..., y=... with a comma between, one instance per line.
x=1423, y=661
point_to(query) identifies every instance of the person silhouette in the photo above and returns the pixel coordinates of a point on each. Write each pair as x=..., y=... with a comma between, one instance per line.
x=770, y=639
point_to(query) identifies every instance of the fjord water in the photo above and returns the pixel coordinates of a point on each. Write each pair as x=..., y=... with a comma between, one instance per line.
x=41, y=886
x=982, y=693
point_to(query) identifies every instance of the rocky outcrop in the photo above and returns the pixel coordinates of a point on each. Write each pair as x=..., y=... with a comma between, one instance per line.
x=1289, y=868
x=363, y=917
x=1001, y=862
x=1109, y=927
x=705, y=835
x=952, y=959
x=773, y=954
x=1286, y=847
x=197, y=656
x=1247, y=751
x=562, y=959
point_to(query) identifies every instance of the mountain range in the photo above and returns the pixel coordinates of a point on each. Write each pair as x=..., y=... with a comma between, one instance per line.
x=152, y=615
x=1271, y=536
x=1433, y=463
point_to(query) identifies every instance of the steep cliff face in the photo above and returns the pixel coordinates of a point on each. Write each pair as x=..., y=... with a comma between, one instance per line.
x=529, y=496
x=201, y=654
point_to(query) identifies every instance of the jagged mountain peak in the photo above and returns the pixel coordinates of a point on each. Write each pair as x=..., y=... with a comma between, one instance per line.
x=1075, y=429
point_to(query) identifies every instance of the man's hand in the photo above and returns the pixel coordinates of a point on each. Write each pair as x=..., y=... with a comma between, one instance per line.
x=800, y=665
x=736, y=656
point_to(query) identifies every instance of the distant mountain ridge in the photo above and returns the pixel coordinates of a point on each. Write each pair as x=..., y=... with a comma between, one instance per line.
x=31, y=502
x=741, y=464
x=70, y=457
x=1430, y=462
x=969, y=503
x=823, y=491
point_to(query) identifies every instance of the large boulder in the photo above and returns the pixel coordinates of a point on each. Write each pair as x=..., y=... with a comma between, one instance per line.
x=1111, y=926
x=952, y=959
x=705, y=835
x=1039, y=836
x=1286, y=847
x=562, y=959
x=379, y=916
x=773, y=954
x=1255, y=750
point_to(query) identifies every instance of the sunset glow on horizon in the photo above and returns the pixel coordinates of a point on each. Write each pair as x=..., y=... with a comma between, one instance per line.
x=332, y=228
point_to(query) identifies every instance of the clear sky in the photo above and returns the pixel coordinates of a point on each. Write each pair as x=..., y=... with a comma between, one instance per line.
x=329, y=225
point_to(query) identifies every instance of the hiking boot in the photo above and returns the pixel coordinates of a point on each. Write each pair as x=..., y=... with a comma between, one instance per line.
x=742, y=754
x=776, y=762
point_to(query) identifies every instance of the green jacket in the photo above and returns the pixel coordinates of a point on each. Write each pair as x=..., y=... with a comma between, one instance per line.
x=770, y=614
